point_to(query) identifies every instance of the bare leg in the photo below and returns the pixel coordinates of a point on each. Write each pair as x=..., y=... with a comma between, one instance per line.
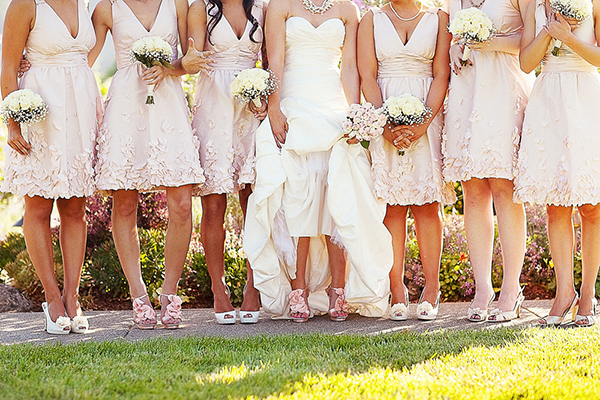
x=512, y=232
x=429, y=227
x=560, y=235
x=301, y=259
x=36, y=229
x=124, y=230
x=479, y=227
x=251, y=296
x=590, y=254
x=213, y=238
x=179, y=233
x=73, y=230
x=395, y=221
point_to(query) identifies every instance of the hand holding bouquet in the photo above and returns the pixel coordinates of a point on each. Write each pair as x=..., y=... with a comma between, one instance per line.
x=24, y=107
x=471, y=25
x=405, y=109
x=253, y=84
x=364, y=122
x=578, y=10
x=151, y=51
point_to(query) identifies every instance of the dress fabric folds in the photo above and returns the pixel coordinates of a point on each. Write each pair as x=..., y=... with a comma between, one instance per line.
x=315, y=185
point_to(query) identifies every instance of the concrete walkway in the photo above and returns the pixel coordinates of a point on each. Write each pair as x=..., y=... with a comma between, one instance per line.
x=117, y=325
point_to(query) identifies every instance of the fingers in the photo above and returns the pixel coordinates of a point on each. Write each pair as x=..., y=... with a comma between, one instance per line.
x=191, y=44
x=20, y=146
x=401, y=143
x=352, y=141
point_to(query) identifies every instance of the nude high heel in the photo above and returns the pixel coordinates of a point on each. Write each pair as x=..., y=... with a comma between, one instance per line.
x=557, y=320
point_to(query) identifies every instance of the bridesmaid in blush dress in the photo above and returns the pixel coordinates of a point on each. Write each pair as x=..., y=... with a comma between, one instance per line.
x=145, y=147
x=54, y=161
x=558, y=161
x=405, y=50
x=482, y=129
x=225, y=128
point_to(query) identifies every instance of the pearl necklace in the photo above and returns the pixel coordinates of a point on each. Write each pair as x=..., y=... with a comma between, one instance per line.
x=314, y=9
x=406, y=19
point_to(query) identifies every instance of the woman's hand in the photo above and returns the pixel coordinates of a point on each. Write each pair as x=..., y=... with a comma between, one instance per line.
x=195, y=60
x=260, y=113
x=24, y=66
x=15, y=139
x=456, y=52
x=155, y=75
x=558, y=27
x=408, y=134
x=279, y=125
x=391, y=135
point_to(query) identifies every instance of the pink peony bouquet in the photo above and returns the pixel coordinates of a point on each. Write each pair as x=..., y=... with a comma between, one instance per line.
x=364, y=122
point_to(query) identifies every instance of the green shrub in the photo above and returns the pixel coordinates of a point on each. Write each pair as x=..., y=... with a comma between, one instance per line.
x=104, y=268
x=10, y=248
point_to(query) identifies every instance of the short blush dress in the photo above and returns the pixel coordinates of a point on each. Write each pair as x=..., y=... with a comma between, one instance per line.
x=224, y=126
x=559, y=158
x=61, y=161
x=416, y=176
x=485, y=105
x=145, y=146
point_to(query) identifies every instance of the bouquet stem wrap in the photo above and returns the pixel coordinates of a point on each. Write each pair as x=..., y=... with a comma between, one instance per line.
x=465, y=55
x=257, y=101
x=150, y=94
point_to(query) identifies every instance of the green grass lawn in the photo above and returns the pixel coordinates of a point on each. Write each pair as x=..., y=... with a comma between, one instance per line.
x=503, y=364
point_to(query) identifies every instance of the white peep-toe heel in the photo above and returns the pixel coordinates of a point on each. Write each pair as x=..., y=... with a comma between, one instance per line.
x=426, y=311
x=62, y=326
x=227, y=317
x=248, y=317
x=399, y=311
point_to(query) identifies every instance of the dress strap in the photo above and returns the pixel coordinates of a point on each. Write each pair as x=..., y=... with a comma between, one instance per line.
x=432, y=10
x=258, y=4
x=38, y=2
x=454, y=7
x=376, y=10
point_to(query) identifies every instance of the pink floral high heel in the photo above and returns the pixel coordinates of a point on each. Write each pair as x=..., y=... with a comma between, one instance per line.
x=339, y=312
x=170, y=316
x=144, y=316
x=299, y=310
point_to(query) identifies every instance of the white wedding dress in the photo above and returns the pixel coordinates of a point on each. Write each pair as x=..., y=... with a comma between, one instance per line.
x=316, y=185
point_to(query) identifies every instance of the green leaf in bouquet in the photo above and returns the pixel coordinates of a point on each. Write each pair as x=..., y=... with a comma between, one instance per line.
x=365, y=144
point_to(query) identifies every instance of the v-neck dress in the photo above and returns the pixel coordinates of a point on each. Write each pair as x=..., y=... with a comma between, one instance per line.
x=224, y=125
x=60, y=163
x=415, y=177
x=559, y=158
x=485, y=105
x=145, y=146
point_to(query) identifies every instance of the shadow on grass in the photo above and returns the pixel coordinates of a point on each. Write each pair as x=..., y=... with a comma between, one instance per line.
x=209, y=368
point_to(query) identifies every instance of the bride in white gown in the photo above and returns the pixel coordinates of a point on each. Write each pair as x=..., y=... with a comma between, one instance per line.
x=312, y=203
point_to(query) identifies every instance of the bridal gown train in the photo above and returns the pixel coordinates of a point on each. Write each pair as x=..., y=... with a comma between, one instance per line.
x=316, y=185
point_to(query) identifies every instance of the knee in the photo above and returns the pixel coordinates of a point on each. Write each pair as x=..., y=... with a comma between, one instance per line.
x=213, y=207
x=125, y=208
x=476, y=191
x=590, y=213
x=72, y=210
x=557, y=214
x=38, y=212
x=502, y=190
x=180, y=207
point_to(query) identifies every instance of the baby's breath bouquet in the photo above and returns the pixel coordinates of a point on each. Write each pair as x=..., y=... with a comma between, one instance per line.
x=151, y=51
x=405, y=109
x=579, y=10
x=471, y=25
x=253, y=84
x=23, y=106
x=364, y=122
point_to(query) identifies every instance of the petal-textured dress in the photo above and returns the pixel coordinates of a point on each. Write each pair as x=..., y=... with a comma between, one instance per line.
x=416, y=176
x=559, y=158
x=316, y=185
x=485, y=105
x=224, y=125
x=145, y=146
x=60, y=163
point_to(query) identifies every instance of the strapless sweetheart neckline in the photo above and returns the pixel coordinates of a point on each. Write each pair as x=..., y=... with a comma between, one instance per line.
x=318, y=26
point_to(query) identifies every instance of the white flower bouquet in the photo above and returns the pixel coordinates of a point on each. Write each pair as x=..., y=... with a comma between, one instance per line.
x=23, y=106
x=405, y=109
x=253, y=84
x=471, y=25
x=364, y=122
x=151, y=51
x=579, y=10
